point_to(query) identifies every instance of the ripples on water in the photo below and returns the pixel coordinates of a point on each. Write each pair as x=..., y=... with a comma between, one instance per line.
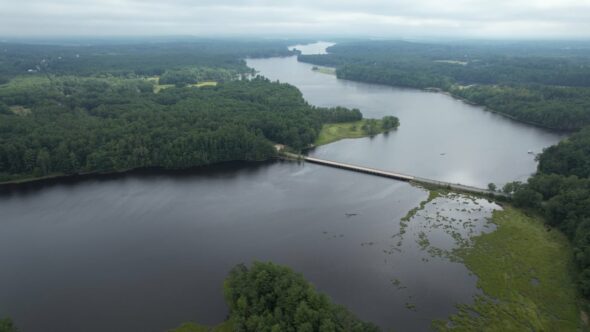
x=145, y=252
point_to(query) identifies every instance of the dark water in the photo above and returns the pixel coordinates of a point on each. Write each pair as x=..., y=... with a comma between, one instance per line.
x=145, y=252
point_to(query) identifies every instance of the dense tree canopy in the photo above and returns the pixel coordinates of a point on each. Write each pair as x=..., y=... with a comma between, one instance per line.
x=271, y=298
x=570, y=157
x=72, y=125
x=544, y=83
x=87, y=109
x=132, y=58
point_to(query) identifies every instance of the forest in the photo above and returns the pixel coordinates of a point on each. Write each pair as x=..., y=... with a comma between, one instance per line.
x=132, y=58
x=269, y=297
x=547, y=84
x=72, y=125
x=95, y=110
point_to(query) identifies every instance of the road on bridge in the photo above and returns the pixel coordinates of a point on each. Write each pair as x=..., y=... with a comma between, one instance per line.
x=395, y=175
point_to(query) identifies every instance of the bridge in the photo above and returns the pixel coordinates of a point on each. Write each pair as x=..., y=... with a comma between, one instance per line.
x=394, y=175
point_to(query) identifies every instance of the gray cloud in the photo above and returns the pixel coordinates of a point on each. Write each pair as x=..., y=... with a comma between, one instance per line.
x=380, y=18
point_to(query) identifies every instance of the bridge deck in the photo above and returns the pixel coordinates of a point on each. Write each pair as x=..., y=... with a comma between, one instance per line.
x=361, y=169
x=394, y=175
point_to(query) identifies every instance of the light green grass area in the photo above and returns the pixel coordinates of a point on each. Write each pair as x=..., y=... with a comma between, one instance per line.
x=159, y=87
x=525, y=272
x=432, y=195
x=25, y=82
x=332, y=132
x=28, y=81
x=206, y=83
x=226, y=326
x=20, y=110
x=324, y=70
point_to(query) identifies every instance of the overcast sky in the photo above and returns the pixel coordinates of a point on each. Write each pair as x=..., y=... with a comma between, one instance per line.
x=289, y=18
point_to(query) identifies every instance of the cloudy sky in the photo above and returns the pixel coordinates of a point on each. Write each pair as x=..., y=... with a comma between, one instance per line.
x=377, y=18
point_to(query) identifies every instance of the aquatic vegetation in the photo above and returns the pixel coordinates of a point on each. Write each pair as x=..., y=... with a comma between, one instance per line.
x=507, y=262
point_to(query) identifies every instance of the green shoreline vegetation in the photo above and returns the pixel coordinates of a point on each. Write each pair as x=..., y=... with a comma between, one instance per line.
x=432, y=195
x=332, y=132
x=83, y=110
x=324, y=70
x=545, y=84
x=525, y=273
x=273, y=298
x=71, y=110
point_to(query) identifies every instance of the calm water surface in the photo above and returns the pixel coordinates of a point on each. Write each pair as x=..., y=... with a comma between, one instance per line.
x=439, y=137
x=145, y=252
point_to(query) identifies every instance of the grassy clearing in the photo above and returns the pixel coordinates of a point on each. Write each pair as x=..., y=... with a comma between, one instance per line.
x=524, y=271
x=226, y=326
x=20, y=110
x=324, y=70
x=207, y=83
x=159, y=87
x=332, y=132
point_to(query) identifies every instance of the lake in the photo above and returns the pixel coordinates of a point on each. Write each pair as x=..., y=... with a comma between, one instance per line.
x=146, y=251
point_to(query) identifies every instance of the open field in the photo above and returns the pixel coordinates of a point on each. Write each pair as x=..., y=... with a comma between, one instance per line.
x=159, y=87
x=332, y=132
x=206, y=83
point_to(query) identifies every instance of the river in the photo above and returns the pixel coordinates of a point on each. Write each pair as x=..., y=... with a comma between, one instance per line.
x=145, y=251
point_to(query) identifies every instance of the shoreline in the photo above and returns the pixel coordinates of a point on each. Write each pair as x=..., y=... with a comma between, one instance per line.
x=450, y=94
x=161, y=170
x=62, y=178
x=491, y=110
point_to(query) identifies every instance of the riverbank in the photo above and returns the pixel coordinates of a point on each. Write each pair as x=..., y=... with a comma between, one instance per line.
x=525, y=272
x=488, y=109
x=332, y=132
x=325, y=70
x=524, y=269
x=63, y=178
x=334, y=71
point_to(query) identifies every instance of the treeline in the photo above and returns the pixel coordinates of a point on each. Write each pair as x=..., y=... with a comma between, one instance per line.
x=560, y=190
x=85, y=58
x=545, y=83
x=71, y=125
x=269, y=297
x=549, y=63
x=566, y=108
x=340, y=114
